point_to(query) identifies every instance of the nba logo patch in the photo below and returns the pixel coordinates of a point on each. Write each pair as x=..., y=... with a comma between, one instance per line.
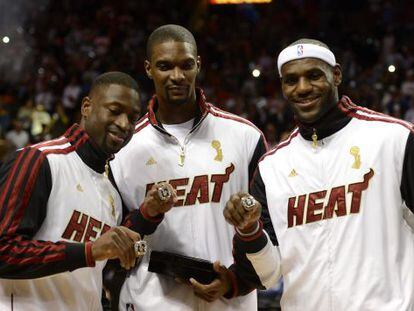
x=130, y=307
x=300, y=50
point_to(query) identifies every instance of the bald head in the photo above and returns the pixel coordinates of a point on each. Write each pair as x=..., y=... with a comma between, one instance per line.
x=167, y=33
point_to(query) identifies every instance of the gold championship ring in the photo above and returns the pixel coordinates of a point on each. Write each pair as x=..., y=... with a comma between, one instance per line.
x=140, y=248
x=248, y=202
x=164, y=193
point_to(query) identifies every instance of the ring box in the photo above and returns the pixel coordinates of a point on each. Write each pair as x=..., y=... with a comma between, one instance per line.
x=181, y=266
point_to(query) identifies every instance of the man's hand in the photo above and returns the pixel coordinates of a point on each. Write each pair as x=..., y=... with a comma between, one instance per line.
x=160, y=199
x=243, y=212
x=118, y=242
x=217, y=288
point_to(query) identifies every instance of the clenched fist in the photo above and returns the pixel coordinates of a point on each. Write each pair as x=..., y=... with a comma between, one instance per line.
x=118, y=242
x=160, y=199
x=243, y=212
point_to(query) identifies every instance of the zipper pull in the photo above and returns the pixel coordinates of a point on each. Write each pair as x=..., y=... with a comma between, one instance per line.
x=112, y=203
x=314, y=139
x=106, y=173
x=182, y=158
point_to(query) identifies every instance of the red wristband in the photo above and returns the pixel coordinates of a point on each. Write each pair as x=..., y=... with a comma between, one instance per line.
x=251, y=237
x=234, y=288
x=144, y=213
x=90, y=262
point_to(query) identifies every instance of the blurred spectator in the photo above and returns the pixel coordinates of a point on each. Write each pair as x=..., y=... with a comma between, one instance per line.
x=397, y=104
x=5, y=120
x=17, y=136
x=409, y=115
x=271, y=135
x=40, y=123
x=407, y=86
x=60, y=121
x=45, y=97
x=24, y=114
x=71, y=96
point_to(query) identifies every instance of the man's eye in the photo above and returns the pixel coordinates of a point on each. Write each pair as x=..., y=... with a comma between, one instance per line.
x=315, y=75
x=163, y=67
x=289, y=80
x=114, y=110
x=188, y=66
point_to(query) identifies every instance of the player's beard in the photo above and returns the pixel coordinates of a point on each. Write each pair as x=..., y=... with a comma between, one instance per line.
x=329, y=105
x=179, y=101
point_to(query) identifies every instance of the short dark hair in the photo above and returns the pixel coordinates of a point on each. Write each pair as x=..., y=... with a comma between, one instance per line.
x=170, y=32
x=310, y=41
x=114, y=77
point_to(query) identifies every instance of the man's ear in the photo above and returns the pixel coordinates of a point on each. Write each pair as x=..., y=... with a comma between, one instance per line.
x=337, y=75
x=86, y=107
x=198, y=64
x=147, y=66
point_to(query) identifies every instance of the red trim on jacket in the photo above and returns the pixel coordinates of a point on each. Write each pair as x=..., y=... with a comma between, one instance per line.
x=28, y=163
x=8, y=183
x=153, y=105
x=281, y=144
x=31, y=260
x=227, y=115
x=60, y=140
x=139, y=128
x=348, y=107
x=15, y=191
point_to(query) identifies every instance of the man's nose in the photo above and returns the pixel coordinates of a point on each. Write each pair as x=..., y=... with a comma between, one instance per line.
x=303, y=86
x=122, y=121
x=177, y=75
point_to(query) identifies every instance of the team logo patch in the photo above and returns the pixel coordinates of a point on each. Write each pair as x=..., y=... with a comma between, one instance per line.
x=354, y=151
x=83, y=228
x=327, y=203
x=300, y=49
x=293, y=173
x=151, y=161
x=217, y=146
x=199, y=189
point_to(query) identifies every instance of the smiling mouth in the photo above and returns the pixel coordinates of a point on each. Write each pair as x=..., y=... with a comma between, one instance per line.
x=307, y=102
x=119, y=139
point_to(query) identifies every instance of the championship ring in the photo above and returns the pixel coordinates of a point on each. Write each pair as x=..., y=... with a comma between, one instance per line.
x=248, y=202
x=140, y=248
x=164, y=193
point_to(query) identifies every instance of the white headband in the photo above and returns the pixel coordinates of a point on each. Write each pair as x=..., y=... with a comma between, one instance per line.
x=304, y=50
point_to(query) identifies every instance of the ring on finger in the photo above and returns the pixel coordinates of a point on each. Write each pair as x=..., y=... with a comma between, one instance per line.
x=164, y=193
x=248, y=202
x=140, y=248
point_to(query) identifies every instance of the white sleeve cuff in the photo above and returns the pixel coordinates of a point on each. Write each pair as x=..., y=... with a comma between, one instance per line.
x=266, y=263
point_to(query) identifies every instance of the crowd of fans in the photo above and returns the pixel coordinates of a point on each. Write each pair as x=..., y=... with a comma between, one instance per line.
x=67, y=43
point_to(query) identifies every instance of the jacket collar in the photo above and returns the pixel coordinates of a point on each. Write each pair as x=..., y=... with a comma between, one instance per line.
x=202, y=112
x=333, y=121
x=90, y=153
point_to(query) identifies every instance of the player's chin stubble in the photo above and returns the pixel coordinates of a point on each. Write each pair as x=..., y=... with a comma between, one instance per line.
x=181, y=101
